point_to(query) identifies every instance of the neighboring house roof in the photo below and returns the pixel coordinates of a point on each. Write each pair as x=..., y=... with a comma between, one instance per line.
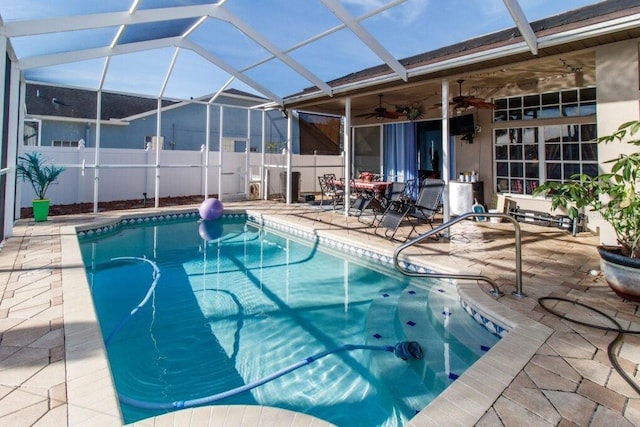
x=56, y=101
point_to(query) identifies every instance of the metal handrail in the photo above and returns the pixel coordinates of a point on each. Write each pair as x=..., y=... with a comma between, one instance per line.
x=495, y=290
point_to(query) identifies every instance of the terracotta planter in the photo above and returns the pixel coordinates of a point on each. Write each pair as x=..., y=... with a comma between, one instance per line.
x=621, y=273
x=40, y=209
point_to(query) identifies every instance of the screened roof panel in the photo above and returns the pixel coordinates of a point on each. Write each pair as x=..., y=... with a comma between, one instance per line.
x=152, y=30
x=69, y=41
x=19, y=10
x=81, y=74
x=228, y=43
x=280, y=21
x=421, y=27
x=141, y=72
x=157, y=4
x=277, y=76
x=194, y=76
x=306, y=43
x=336, y=55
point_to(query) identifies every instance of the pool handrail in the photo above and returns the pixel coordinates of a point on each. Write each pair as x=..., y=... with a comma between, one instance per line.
x=495, y=290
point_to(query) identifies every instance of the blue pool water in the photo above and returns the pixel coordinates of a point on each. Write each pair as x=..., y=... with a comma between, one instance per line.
x=234, y=303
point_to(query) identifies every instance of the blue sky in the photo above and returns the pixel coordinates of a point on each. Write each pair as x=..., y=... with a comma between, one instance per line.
x=410, y=28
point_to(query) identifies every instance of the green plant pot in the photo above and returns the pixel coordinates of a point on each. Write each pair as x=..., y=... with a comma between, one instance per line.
x=40, y=209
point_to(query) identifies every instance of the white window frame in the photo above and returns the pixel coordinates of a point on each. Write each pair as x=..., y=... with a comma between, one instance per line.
x=38, y=133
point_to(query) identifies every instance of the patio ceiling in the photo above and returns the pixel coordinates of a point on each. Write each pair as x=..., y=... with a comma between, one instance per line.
x=186, y=49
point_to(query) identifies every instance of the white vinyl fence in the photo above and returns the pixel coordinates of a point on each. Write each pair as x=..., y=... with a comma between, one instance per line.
x=130, y=174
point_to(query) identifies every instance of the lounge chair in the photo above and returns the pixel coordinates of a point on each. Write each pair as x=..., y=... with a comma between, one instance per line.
x=423, y=210
x=427, y=205
x=392, y=198
x=396, y=206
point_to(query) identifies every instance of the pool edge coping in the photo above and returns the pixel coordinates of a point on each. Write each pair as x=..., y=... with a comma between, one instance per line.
x=460, y=401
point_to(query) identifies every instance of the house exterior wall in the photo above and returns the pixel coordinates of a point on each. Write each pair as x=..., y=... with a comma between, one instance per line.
x=183, y=127
x=617, y=74
x=58, y=130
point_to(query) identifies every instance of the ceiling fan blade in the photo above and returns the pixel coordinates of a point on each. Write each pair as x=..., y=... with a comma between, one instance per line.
x=481, y=103
x=391, y=115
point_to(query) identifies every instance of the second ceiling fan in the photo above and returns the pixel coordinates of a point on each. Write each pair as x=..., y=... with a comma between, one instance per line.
x=461, y=102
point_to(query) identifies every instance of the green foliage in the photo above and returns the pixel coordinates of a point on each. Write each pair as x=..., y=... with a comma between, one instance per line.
x=31, y=167
x=614, y=195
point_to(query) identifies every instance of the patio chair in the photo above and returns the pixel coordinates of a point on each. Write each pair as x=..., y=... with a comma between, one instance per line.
x=328, y=189
x=427, y=205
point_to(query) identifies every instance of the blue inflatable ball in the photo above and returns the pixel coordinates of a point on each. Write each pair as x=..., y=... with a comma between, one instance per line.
x=211, y=209
x=210, y=230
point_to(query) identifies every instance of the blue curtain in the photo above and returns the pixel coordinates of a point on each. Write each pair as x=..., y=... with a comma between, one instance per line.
x=400, y=158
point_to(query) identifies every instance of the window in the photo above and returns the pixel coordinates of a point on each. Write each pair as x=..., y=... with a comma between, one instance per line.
x=64, y=143
x=526, y=156
x=568, y=103
x=31, y=132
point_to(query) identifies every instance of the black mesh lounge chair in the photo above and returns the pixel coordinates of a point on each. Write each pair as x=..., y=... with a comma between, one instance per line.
x=396, y=206
x=423, y=210
x=392, y=218
x=392, y=198
x=427, y=205
x=359, y=199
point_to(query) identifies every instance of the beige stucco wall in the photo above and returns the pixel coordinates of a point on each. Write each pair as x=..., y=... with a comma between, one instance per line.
x=617, y=74
x=479, y=155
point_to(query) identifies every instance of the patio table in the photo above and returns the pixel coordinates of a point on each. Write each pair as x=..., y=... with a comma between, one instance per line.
x=376, y=188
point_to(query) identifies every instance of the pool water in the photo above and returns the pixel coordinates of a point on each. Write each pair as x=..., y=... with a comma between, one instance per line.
x=234, y=303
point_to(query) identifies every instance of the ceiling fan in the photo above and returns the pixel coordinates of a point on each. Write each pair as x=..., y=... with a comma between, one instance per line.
x=461, y=102
x=380, y=112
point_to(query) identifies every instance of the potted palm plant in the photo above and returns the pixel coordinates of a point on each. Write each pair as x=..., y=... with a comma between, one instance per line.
x=32, y=167
x=615, y=196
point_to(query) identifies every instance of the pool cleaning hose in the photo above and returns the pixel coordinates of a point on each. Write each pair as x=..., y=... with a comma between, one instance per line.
x=152, y=288
x=611, y=348
x=404, y=350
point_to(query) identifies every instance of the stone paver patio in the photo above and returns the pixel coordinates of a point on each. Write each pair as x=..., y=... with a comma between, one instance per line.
x=548, y=372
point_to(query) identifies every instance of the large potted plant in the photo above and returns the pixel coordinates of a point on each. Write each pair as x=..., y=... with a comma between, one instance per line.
x=32, y=167
x=615, y=196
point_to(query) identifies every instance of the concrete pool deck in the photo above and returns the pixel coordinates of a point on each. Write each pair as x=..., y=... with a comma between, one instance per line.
x=547, y=372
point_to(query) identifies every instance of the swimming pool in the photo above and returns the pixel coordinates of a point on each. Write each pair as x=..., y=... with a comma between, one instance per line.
x=244, y=304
